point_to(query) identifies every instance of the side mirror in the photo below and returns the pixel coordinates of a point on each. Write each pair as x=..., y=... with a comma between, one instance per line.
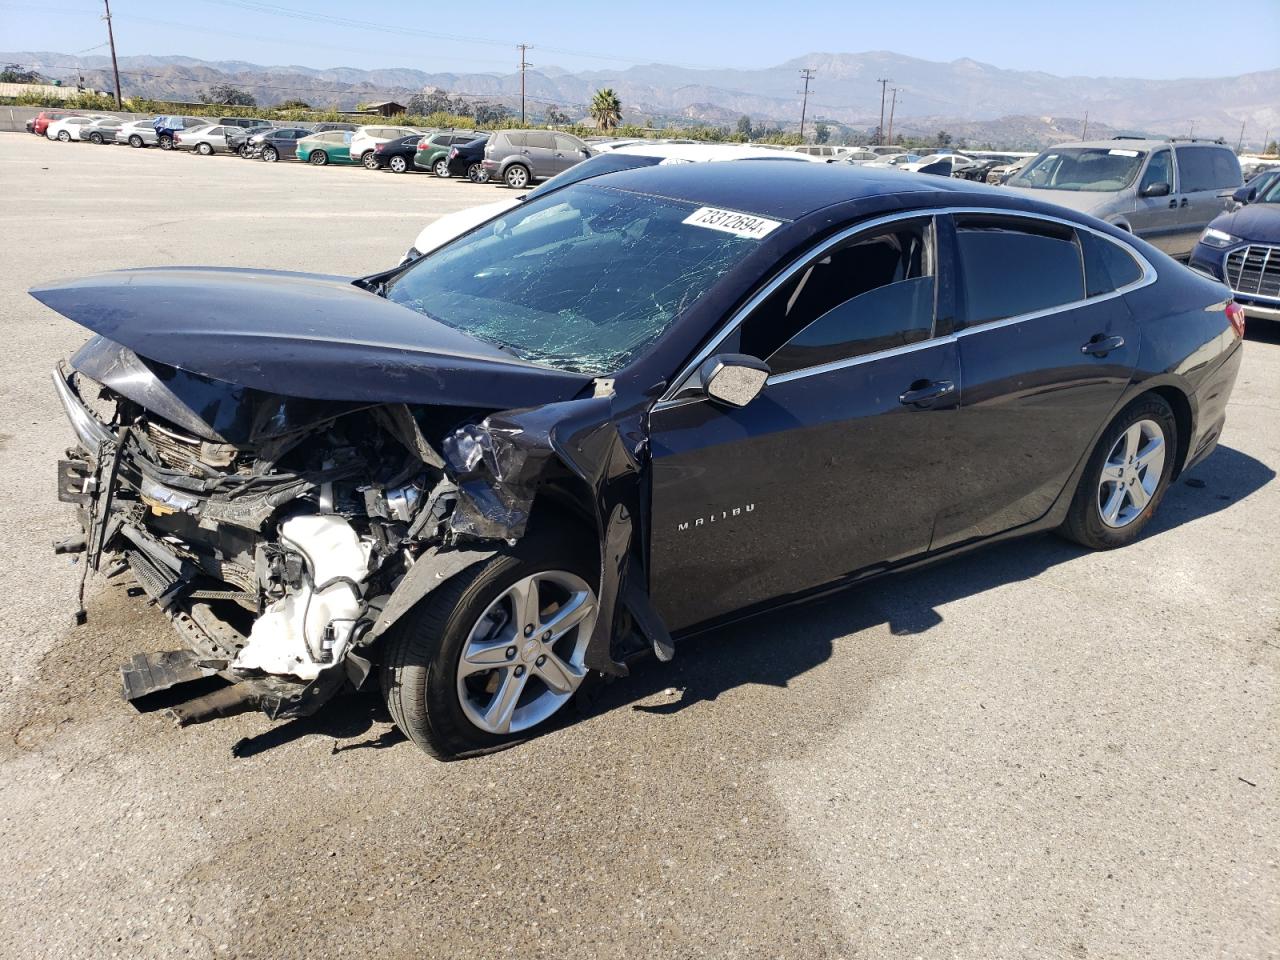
x=1245, y=195
x=733, y=379
x=1161, y=189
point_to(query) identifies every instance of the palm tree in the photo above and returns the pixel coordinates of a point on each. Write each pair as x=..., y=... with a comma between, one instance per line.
x=606, y=109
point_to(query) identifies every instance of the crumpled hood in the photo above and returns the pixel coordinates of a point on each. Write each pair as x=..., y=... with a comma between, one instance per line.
x=1257, y=222
x=300, y=335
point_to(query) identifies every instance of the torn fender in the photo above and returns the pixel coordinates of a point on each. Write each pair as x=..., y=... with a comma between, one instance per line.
x=499, y=464
x=428, y=572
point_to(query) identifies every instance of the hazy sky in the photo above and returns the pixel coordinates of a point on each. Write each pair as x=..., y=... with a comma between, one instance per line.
x=1170, y=38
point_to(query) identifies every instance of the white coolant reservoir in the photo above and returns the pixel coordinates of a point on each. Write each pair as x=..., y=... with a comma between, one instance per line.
x=290, y=636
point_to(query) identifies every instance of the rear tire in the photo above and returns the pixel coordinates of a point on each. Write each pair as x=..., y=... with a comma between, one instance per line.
x=370, y=160
x=318, y=158
x=441, y=169
x=166, y=142
x=95, y=137
x=204, y=149
x=425, y=653
x=517, y=176
x=270, y=155
x=64, y=136
x=1126, y=477
x=398, y=164
x=477, y=174
x=135, y=141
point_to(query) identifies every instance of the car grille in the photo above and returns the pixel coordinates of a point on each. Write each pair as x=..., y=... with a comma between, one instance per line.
x=1254, y=270
x=180, y=451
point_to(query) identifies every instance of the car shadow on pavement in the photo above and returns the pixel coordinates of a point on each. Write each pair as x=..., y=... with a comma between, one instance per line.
x=775, y=648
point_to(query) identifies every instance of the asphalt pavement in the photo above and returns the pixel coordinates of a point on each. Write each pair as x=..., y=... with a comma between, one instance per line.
x=1034, y=751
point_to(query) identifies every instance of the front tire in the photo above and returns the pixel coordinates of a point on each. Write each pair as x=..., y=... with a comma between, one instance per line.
x=318, y=158
x=1126, y=477
x=517, y=176
x=494, y=654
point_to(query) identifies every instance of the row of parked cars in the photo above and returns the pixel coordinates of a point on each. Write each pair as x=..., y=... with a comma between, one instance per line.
x=1168, y=191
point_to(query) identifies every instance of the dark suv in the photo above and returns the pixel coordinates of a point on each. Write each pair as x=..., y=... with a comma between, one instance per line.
x=1165, y=191
x=522, y=157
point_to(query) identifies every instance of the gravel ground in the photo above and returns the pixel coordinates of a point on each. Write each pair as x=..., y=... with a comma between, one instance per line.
x=1031, y=752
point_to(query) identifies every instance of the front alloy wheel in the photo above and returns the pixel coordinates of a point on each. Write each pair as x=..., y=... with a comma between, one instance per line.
x=492, y=654
x=318, y=158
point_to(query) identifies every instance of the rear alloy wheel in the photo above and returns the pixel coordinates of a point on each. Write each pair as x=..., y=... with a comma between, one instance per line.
x=517, y=176
x=95, y=137
x=370, y=160
x=64, y=136
x=318, y=158
x=166, y=142
x=477, y=173
x=441, y=169
x=491, y=655
x=204, y=149
x=270, y=155
x=1126, y=477
x=135, y=141
x=398, y=164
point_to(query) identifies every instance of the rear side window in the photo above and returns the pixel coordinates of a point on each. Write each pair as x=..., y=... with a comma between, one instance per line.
x=540, y=140
x=1010, y=266
x=1207, y=168
x=513, y=139
x=1107, y=266
x=872, y=294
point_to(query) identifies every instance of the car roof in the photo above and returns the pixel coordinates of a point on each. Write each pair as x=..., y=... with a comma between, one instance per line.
x=787, y=191
x=1129, y=143
x=698, y=152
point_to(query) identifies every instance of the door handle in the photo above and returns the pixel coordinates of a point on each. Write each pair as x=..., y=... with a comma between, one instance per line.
x=924, y=393
x=1184, y=202
x=1101, y=345
x=1173, y=204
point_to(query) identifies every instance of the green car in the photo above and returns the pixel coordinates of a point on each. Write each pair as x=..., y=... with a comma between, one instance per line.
x=433, y=152
x=332, y=146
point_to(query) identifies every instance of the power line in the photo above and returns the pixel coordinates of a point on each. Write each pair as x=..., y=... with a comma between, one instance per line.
x=524, y=65
x=880, y=129
x=806, y=74
x=115, y=67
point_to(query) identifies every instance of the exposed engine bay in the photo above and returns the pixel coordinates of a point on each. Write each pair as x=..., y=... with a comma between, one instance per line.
x=277, y=533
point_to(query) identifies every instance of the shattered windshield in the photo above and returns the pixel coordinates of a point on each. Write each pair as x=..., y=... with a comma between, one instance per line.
x=1092, y=169
x=581, y=280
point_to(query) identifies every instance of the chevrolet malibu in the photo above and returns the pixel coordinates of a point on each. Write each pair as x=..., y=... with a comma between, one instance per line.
x=624, y=412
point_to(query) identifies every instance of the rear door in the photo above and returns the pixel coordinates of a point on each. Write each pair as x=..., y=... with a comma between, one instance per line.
x=839, y=464
x=1046, y=350
x=1208, y=175
x=540, y=149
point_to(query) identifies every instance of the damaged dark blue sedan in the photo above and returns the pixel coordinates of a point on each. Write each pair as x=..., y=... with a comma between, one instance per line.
x=623, y=412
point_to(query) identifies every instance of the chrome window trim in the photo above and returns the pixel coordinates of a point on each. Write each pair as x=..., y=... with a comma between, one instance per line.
x=1149, y=276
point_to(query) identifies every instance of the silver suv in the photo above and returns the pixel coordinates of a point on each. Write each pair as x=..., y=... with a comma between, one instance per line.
x=522, y=157
x=1165, y=191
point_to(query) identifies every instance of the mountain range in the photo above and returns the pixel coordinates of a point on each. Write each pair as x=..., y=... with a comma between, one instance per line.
x=987, y=100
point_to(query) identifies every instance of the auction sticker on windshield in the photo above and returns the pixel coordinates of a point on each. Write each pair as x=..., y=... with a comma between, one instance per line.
x=730, y=221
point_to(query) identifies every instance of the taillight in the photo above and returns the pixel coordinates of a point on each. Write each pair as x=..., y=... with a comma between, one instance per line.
x=176, y=138
x=377, y=147
x=424, y=145
x=453, y=153
x=1235, y=313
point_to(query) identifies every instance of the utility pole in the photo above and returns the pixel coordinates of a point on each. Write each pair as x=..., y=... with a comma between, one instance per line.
x=807, y=75
x=1240, y=142
x=115, y=67
x=524, y=65
x=892, y=106
x=1192, y=134
x=880, y=129
x=1084, y=134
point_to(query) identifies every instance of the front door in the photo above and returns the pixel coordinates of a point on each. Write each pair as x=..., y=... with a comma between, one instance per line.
x=1046, y=351
x=839, y=464
x=1157, y=219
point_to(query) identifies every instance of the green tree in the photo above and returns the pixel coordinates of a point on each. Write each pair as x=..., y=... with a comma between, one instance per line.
x=1272, y=149
x=294, y=104
x=744, y=126
x=606, y=109
x=557, y=117
x=943, y=138
x=821, y=133
x=229, y=96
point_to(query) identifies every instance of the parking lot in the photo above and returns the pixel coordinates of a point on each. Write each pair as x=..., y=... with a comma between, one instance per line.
x=1034, y=751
